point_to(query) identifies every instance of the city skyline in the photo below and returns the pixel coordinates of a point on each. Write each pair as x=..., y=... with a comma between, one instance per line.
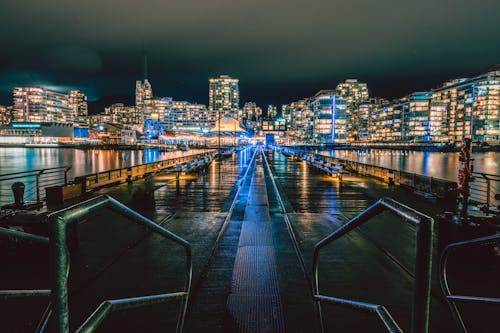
x=277, y=53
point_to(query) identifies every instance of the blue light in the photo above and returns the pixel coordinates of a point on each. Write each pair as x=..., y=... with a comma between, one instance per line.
x=26, y=125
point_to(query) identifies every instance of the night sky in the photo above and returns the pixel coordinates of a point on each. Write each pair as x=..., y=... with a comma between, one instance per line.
x=280, y=50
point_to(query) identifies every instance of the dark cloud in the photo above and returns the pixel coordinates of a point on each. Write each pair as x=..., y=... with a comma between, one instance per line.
x=281, y=46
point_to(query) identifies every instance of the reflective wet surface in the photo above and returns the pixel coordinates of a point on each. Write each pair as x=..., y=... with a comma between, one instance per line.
x=117, y=258
x=432, y=164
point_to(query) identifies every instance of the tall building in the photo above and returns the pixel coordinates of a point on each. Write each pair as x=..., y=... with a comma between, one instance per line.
x=353, y=93
x=5, y=115
x=251, y=111
x=122, y=114
x=299, y=117
x=224, y=95
x=272, y=111
x=37, y=104
x=329, y=121
x=366, y=113
x=78, y=103
x=144, y=98
x=468, y=108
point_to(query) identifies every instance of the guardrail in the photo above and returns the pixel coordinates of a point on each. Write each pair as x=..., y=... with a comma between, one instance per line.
x=423, y=261
x=451, y=299
x=100, y=179
x=60, y=263
x=440, y=188
x=484, y=188
x=35, y=182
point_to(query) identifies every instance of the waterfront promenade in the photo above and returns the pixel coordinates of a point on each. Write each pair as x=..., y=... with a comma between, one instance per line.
x=237, y=226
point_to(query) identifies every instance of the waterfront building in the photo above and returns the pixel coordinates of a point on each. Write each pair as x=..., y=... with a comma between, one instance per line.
x=78, y=103
x=6, y=114
x=38, y=133
x=299, y=117
x=364, y=114
x=402, y=120
x=189, y=117
x=161, y=108
x=272, y=111
x=353, y=93
x=143, y=98
x=329, y=120
x=37, y=104
x=252, y=112
x=468, y=108
x=416, y=117
x=224, y=95
x=122, y=114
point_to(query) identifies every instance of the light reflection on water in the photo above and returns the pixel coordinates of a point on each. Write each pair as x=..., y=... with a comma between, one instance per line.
x=434, y=164
x=82, y=161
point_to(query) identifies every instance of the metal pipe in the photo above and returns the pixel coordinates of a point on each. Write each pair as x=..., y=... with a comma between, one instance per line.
x=59, y=274
x=423, y=256
x=5, y=232
x=443, y=279
x=6, y=294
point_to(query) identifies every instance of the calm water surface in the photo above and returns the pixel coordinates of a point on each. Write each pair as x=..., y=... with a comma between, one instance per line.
x=82, y=161
x=433, y=164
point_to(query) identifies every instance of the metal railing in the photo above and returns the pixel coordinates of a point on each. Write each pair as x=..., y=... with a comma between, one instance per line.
x=96, y=180
x=484, y=188
x=451, y=299
x=60, y=264
x=35, y=182
x=423, y=262
x=440, y=188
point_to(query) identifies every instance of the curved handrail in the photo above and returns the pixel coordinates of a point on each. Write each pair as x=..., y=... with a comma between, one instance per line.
x=451, y=299
x=61, y=262
x=423, y=261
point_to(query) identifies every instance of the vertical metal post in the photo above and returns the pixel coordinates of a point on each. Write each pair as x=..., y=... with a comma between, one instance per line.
x=37, y=184
x=488, y=193
x=59, y=275
x=423, y=263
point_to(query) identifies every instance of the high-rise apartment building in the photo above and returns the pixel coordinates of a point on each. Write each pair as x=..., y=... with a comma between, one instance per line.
x=37, y=104
x=224, y=95
x=353, y=93
x=272, y=112
x=251, y=111
x=78, y=102
x=299, y=117
x=330, y=121
x=6, y=115
x=144, y=98
x=468, y=108
x=122, y=114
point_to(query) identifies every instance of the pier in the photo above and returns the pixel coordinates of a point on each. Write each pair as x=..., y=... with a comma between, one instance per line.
x=252, y=222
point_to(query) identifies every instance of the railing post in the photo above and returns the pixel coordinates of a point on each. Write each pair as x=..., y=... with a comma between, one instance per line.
x=59, y=275
x=37, y=184
x=488, y=193
x=423, y=263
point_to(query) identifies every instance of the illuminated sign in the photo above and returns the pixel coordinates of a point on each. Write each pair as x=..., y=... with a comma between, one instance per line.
x=25, y=125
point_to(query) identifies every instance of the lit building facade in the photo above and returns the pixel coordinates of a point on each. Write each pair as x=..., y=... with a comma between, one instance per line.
x=224, y=95
x=299, y=117
x=329, y=120
x=144, y=99
x=78, y=103
x=468, y=108
x=119, y=113
x=353, y=93
x=6, y=115
x=37, y=104
x=272, y=112
x=189, y=117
